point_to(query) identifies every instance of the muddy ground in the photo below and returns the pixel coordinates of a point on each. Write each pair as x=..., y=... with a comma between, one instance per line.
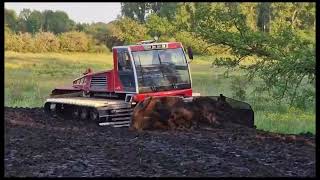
x=39, y=145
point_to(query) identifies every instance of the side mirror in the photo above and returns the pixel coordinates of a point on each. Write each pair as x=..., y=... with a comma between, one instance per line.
x=190, y=54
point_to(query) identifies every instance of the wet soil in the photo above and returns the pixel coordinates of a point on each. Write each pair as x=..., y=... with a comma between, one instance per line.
x=39, y=145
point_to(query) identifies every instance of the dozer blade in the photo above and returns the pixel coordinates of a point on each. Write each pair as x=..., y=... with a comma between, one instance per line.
x=173, y=112
x=237, y=112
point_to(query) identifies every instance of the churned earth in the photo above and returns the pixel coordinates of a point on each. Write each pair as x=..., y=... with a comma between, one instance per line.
x=39, y=145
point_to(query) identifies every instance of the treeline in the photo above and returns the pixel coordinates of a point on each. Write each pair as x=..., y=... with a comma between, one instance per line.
x=48, y=42
x=140, y=21
x=47, y=31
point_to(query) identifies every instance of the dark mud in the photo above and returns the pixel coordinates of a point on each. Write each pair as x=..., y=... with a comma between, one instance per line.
x=39, y=145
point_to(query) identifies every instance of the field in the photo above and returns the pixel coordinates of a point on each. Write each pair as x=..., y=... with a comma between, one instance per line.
x=29, y=79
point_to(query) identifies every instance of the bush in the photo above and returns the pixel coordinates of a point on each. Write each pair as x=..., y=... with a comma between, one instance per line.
x=10, y=40
x=46, y=42
x=74, y=42
x=22, y=42
x=99, y=49
x=27, y=41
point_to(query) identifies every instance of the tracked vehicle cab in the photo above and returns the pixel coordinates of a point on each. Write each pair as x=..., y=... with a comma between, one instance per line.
x=141, y=70
x=150, y=67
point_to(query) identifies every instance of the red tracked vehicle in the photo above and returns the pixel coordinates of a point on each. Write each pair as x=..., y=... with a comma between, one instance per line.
x=140, y=71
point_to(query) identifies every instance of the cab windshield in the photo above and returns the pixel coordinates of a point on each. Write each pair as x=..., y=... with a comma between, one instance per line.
x=163, y=69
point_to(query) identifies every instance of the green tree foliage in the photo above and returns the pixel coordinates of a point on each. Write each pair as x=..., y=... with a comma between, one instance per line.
x=10, y=19
x=113, y=37
x=159, y=26
x=74, y=41
x=297, y=15
x=251, y=12
x=34, y=22
x=168, y=10
x=184, y=17
x=57, y=22
x=140, y=11
x=284, y=60
x=129, y=31
x=198, y=45
x=22, y=20
x=136, y=11
x=100, y=31
x=81, y=27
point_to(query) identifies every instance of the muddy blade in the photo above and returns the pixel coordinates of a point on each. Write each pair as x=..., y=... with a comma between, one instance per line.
x=244, y=117
x=240, y=112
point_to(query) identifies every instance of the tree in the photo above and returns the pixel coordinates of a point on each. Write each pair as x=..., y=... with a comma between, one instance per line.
x=57, y=22
x=129, y=31
x=283, y=60
x=184, y=18
x=136, y=11
x=22, y=20
x=81, y=27
x=47, y=15
x=25, y=14
x=159, y=26
x=99, y=31
x=250, y=10
x=140, y=11
x=264, y=16
x=168, y=10
x=34, y=22
x=297, y=15
x=10, y=19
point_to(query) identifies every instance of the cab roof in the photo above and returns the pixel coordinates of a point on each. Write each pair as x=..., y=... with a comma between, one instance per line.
x=151, y=45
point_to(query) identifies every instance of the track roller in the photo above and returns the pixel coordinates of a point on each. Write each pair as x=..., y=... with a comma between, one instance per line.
x=84, y=113
x=94, y=115
x=75, y=113
x=47, y=107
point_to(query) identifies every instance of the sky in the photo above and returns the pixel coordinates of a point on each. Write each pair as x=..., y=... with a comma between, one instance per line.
x=79, y=12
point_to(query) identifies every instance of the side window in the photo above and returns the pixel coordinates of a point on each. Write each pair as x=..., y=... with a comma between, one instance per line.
x=124, y=62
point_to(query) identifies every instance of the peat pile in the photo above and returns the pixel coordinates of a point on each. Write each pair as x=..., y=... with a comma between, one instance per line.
x=38, y=145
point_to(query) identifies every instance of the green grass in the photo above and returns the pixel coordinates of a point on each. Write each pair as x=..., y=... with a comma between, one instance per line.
x=29, y=79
